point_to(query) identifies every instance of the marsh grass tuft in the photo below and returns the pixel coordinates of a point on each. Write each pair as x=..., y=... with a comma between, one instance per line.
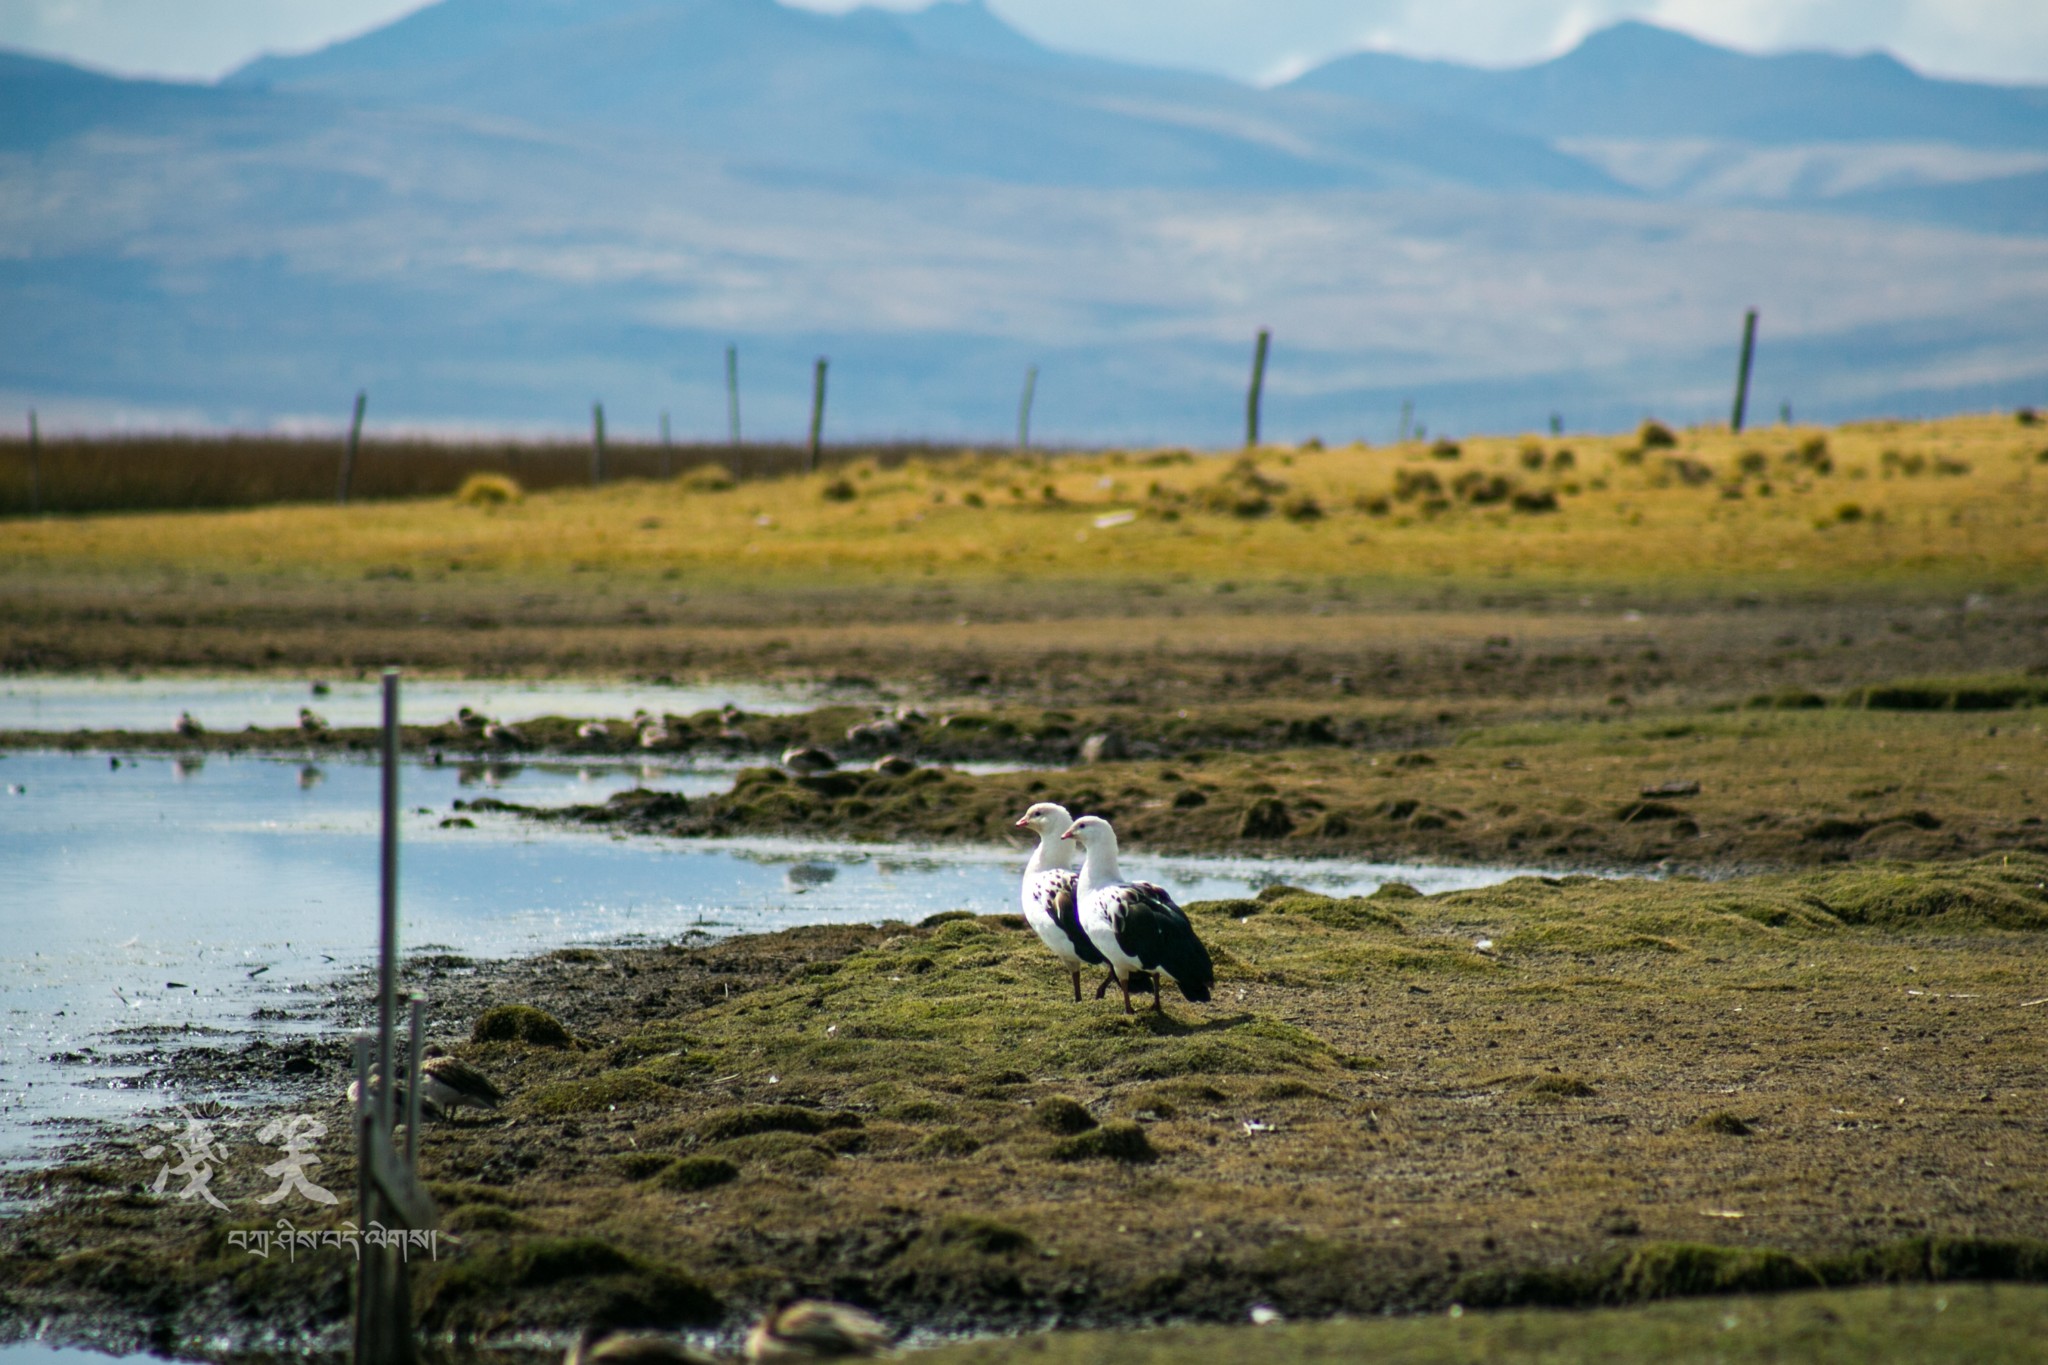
x=1063, y=1116
x=544, y=1280
x=1120, y=1141
x=1725, y=1124
x=692, y=1173
x=519, y=1024
x=490, y=490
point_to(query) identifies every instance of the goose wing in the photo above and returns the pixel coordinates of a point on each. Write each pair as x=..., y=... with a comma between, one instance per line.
x=1156, y=932
x=1062, y=901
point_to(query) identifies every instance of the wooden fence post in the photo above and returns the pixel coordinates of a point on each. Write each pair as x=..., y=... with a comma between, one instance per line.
x=1407, y=418
x=596, y=444
x=388, y=1194
x=1251, y=407
x=1742, y=371
x=355, y=440
x=1024, y=409
x=817, y=416
x=35, y=466
x=732, y=393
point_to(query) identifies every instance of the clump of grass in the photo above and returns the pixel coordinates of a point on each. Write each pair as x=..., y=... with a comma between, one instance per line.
x=547, y=1280
x=1559, y=1088
x=985, y=1236
x=644, y=1165
x=1242, y=491
x=1723, y=1123
x=708, y=478
x=692, y=1173
x=1063, y=1116
x=1654, y=435
x=519, y=1024
x=772, y=1118
x=1112, y=1142
x=839, y=490
x=489, y=490
x=950, y=1142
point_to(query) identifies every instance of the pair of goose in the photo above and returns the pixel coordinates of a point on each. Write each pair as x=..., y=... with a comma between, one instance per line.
x=1094, y=917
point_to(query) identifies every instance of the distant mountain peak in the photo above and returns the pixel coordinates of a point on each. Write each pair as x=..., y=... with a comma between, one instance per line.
x=1639, y=80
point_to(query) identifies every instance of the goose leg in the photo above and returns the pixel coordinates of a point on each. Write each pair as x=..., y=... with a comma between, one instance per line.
x=1103, y=989
x=1157, y=1006
x=1076, y=974
x=1124, y=985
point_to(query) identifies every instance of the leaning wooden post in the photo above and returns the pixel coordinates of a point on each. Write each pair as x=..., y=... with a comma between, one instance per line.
x=387, y=909
x=389, y=1198
x=732, y=393
x=1024, y=409
x=1251, y=406
x=35, y=465
x=415, y=1044
x=355, y=441
x=1742, y=371
x=817, y=416
x=370, y=1257
x=596, y=443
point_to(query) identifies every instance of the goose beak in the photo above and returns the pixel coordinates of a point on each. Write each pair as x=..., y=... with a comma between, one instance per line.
x=1023, y=823
x=1068, y=835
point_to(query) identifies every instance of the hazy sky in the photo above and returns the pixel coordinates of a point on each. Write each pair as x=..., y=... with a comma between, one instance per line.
x=1251, y=39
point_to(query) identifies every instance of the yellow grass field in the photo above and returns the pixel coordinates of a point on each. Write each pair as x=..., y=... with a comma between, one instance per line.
x=1958, y=502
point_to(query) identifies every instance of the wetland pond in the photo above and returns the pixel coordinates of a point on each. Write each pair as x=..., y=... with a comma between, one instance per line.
x=152, y=902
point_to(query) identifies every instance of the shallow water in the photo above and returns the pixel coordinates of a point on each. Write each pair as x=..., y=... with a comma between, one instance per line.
x=146, y=895
x=69, y=703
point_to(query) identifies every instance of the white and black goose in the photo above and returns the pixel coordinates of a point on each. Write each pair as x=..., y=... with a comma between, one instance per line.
x=1135, y=925
x=1051, y=903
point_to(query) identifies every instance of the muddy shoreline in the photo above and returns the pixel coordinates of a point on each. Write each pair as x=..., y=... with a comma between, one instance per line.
x=1915, y=771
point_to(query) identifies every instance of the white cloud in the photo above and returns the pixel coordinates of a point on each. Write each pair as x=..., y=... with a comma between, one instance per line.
x=184, y=39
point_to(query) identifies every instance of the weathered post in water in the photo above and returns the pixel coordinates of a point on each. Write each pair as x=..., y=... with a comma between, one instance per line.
x=1251, y=407
x=817, y=417
x=1024, y=409
x=35, y=466
x=596, y=443
x=355, y=442
x=732, y=393
x=1742, y=371
x=390, y=1204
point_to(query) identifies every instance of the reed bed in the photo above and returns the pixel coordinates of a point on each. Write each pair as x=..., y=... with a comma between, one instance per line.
x=74, y=475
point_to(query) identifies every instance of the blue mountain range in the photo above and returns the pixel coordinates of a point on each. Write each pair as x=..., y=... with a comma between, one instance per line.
x=491, y=211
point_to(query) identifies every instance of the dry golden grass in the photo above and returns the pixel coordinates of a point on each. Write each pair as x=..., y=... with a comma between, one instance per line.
x=1894, y=503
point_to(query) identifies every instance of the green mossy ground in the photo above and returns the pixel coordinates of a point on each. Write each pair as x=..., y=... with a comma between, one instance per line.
x=1376, y=1115
x=1963, y=1324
